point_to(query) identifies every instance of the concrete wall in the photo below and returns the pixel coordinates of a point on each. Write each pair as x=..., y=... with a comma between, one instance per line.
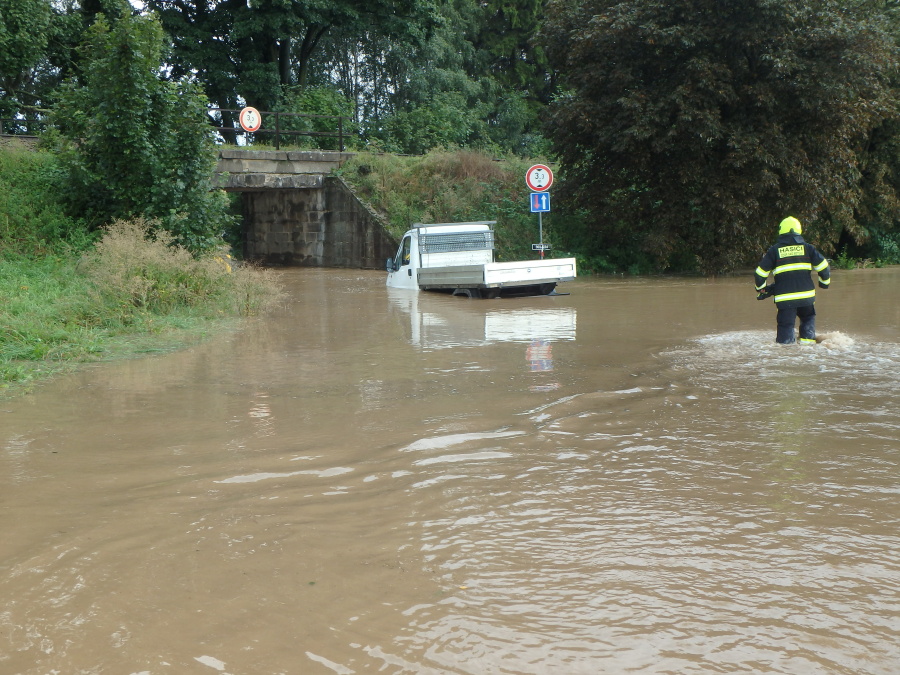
x=323, y=226
x=280, y=161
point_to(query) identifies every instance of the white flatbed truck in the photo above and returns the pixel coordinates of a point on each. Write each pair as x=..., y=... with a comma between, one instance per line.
x=458, y=258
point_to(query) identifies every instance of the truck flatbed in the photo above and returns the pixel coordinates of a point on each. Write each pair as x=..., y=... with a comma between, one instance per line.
x=498, y=275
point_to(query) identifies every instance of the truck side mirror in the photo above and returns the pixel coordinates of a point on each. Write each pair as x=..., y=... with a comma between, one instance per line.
x=390, y=265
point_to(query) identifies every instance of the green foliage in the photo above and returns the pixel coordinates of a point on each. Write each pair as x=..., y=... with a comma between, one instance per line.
x=473, y=82
x=244, y=52
x=32, y=217
x=504, y=35
x=443, y=122
x=692, y=127
x=325, y=101
x=881, y=248
x=136, y=145
x=844, y=261
x=137, y=267
x=886, y=248
x=24, y=34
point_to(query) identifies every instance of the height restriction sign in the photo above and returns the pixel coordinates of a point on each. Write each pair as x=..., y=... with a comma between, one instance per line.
x=250, y=119
x=539, y=178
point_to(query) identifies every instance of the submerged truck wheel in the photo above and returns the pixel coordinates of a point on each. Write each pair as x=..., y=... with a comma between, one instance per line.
x=467, y=292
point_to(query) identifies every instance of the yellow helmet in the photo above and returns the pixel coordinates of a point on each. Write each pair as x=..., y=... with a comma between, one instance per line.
x=788, y=224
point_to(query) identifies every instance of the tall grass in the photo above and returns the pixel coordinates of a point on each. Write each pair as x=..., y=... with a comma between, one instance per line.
x=137, y=269
x=132, y=285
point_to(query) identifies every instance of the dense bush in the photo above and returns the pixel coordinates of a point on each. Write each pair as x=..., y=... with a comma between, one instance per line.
x=689, y=128
x=137, y=267
x=324, y=105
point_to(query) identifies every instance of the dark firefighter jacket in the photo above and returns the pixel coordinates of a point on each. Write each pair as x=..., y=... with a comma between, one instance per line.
x=791, y=260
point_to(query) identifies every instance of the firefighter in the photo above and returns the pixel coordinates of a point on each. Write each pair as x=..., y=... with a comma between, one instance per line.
x=791, y=262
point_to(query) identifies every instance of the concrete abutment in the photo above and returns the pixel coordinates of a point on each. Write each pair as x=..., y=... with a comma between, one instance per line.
x=296, y=213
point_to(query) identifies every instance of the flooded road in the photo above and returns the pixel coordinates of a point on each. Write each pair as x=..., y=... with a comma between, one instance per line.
x=630, y=478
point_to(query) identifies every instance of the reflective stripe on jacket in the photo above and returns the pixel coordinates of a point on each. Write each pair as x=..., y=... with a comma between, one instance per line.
x=791, y=261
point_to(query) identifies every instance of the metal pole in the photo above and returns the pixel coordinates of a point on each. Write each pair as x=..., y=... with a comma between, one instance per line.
x=277, y=131
x=541, y=232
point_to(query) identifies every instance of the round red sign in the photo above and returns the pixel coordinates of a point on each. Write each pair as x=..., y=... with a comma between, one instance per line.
x=539, y=178
x=250, y=119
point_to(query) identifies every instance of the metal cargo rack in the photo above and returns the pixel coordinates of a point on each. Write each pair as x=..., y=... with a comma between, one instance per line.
x=459, y=241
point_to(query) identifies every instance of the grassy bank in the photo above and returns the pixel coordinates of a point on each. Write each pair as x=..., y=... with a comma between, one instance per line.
x=70, y=296
x=42, y=328
x=457, y=186
x=127, y=295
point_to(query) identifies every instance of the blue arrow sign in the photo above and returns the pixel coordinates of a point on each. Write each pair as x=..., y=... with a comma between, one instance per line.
x=540, y=202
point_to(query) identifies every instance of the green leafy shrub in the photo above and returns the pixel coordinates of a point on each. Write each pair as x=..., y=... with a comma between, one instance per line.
x=324, y=101
x=886, y=248
x=844, y=261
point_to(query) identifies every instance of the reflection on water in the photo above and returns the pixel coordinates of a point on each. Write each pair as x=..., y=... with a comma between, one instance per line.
x=437, y=321
x=415, y=483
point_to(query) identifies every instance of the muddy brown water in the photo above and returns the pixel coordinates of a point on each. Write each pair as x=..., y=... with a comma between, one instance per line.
x=629, y=478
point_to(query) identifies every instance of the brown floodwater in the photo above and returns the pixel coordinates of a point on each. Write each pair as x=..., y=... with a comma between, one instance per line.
x=630, y=478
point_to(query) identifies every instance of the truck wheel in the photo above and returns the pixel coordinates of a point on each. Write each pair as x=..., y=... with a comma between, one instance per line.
x=490, y=293
x=467, y=292
x=547, y=289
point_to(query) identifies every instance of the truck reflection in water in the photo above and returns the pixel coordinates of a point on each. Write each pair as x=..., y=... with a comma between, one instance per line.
x=443, y=322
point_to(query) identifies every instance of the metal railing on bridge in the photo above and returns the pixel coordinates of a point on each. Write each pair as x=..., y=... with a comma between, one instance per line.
x=21, y=127
x=278, y=121
x=279, y=126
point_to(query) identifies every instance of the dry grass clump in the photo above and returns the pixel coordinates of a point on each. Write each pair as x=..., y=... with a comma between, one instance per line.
x=465, y=165
x=136, y=266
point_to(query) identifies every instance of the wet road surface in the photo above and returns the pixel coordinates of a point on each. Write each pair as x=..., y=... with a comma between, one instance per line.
x=629, y=478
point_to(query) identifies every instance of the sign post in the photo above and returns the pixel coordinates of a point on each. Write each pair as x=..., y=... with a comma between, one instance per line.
x=539, y=178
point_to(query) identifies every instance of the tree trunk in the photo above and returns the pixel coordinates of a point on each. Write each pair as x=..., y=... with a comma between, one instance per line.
x=284, y=62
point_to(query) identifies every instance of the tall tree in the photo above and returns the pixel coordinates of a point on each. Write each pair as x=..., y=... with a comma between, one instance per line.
x=692, y=126
x=135, y=144
x=505, y=38
x=475, y=80
x=38, y=50
x=247, y=51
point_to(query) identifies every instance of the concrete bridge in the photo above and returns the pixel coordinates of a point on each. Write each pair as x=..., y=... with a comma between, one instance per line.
x=296, y=213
